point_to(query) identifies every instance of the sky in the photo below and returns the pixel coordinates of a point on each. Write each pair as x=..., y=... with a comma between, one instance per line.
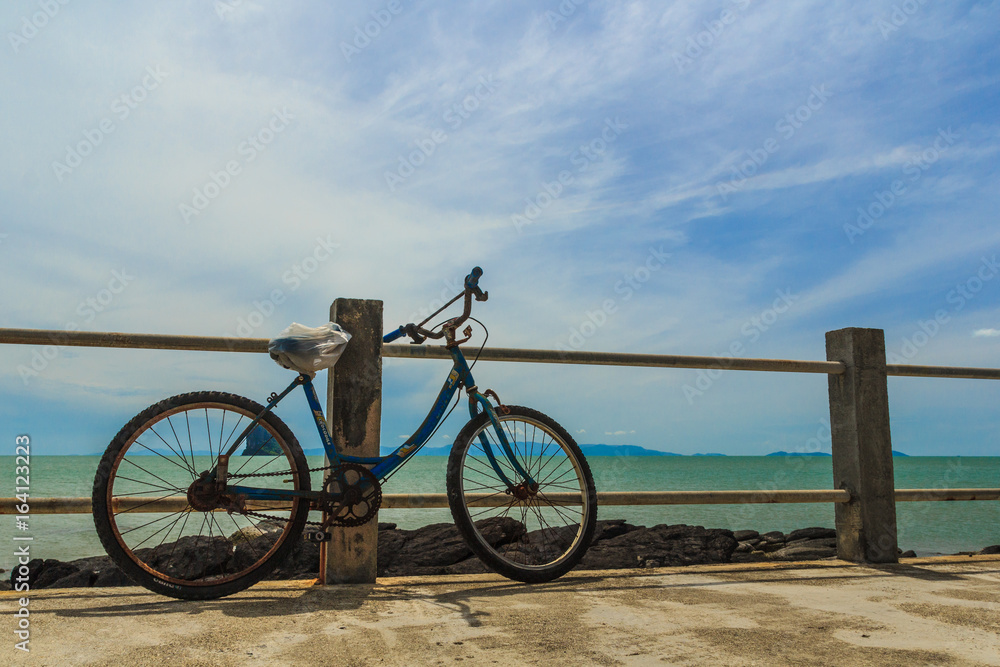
x=652, y=177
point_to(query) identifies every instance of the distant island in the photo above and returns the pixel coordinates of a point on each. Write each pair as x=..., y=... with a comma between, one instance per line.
x=894, y=453
x=588, y=450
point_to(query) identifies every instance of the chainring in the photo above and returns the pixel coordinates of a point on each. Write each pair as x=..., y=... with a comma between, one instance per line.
x=355, y=495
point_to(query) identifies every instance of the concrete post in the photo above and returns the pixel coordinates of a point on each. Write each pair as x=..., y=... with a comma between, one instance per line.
x=354, y=412
x=862, y=446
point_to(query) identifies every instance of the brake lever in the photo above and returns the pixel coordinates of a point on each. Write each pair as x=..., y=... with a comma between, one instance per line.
x=411, y=331
x=468, y=335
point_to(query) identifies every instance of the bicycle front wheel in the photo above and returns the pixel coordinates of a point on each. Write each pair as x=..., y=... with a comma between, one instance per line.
x=531, y=535
x=187, y=540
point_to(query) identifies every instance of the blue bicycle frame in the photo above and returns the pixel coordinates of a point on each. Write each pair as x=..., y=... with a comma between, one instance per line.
x=383, y=466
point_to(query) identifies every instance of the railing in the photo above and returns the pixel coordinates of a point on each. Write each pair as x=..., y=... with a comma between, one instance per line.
x=862, y=458
x=604, y=499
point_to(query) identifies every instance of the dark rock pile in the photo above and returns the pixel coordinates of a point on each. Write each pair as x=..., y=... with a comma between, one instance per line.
x=439, y=549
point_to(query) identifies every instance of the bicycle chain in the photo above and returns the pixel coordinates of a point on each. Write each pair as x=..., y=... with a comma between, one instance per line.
x=247, y=512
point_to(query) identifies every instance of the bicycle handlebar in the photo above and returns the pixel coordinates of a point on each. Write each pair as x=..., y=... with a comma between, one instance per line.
x=389, y=337
x=418, y=334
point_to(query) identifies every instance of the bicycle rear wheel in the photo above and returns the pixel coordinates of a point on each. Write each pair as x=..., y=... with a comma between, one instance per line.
x=191, y=547
x=544, y=533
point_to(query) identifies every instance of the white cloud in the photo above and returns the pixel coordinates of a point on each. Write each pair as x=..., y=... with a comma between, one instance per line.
x=986, y=333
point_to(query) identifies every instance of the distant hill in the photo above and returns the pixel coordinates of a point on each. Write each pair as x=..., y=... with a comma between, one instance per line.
x=894, y=453
x=588, y=450
x=621, y=450
x=709, y=454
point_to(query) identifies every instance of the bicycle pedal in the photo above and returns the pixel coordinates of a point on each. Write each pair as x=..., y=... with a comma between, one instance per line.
x=317, y=536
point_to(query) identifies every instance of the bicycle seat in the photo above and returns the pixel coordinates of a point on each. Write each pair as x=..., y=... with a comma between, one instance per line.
x=308, y=349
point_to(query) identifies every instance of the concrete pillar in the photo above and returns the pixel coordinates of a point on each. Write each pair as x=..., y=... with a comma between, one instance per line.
x=354, y=412
x=862, y=446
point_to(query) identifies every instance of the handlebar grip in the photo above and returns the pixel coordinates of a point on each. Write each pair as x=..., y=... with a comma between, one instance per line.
x=472, y=284
x=393, y=335
x=472, y=280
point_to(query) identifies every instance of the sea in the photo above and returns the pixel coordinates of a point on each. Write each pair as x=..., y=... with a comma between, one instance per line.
x=928, y=528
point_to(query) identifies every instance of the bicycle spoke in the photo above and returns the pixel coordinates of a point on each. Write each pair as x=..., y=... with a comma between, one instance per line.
x=136, y=465
x=171, y=448
x=153, y=451
x=151, y=522
x=183, y=454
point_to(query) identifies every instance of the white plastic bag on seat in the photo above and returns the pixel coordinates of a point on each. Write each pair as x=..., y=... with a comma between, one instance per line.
x=308, y=349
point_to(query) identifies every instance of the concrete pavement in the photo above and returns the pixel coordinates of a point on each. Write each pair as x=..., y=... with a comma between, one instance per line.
x=941, y=611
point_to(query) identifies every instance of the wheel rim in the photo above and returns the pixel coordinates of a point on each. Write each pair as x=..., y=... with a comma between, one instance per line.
x=157, y=465
x=540, y=529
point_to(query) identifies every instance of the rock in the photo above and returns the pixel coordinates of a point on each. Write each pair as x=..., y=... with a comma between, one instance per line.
x=807, y=550
x=744, y=548
x=34, y=566
x=810, y=534
x=52, y=571
x=191, y=557
x=439, y=544
x=468, y=566
x=78, y=579
x=773, y=537
x=908, y=554
x=752, y=557
x=605, y=530
x=745, y=535
x=301, y=562
x=988, y=551
x=253, y=532
x=661, y=546
x=390, y=542
x=112, y=577
x=386, y=526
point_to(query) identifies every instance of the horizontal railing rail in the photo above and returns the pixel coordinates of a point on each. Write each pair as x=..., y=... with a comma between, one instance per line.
x=607, y=498
x=259, y=345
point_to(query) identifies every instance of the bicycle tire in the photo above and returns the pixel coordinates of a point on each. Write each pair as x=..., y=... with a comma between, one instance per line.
x=533, y=540
x=217, y=555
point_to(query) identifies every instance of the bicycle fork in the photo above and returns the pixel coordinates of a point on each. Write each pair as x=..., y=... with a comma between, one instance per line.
x=527, y=486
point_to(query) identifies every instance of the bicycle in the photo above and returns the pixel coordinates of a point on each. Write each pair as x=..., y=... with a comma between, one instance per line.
x=519, y=489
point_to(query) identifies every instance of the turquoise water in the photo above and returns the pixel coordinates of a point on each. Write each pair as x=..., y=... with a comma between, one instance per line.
x=926, y=527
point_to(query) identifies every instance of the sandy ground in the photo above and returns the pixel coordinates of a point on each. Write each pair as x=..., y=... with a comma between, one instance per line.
x=943, y=611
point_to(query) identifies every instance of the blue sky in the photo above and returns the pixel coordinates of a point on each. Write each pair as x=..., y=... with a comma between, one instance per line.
x=650, y=177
